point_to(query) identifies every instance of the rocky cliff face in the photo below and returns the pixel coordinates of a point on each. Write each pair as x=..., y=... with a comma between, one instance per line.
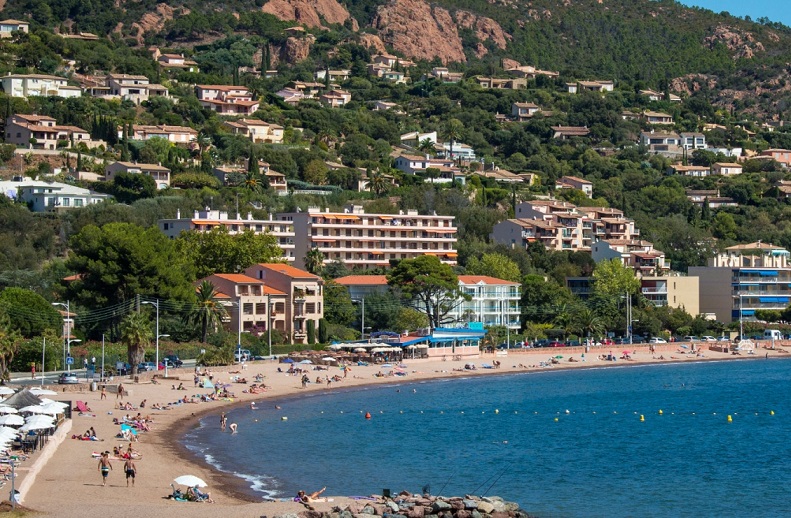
x=307, y=12
x=420, y=31
x=292, y=51
x=742, y=44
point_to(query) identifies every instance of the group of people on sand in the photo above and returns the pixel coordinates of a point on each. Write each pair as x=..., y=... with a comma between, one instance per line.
x=105, y=466
x=89, y=435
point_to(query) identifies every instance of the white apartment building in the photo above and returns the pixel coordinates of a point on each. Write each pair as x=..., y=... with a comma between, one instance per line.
x=743, y=279
x=204, y=221
x=134, y=88
x=48, y=197
x=371, y=240
x=227, y=99
x=27, y=85
x=493, y=302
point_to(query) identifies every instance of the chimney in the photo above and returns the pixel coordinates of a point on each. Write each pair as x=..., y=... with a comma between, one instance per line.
x=178, y=213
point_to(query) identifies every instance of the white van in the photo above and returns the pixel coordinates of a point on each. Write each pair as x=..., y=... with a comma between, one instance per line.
x=772, y=334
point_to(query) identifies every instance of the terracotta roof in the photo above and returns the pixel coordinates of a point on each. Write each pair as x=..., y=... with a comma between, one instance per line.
x=476, y=279
x=237, y=278
x=362, y=280
x=287, y=269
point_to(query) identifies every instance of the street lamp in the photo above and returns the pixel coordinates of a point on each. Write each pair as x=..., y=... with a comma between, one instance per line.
x=156, y=305
x=362, y=317
x=238, y=305
x=68, y=328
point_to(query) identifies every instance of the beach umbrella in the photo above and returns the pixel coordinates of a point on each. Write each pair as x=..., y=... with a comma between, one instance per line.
x=335, y=347
x=306, y=362
x=41, y=409
x=36, y=426
x=287, y=360
x=43, y=392
x=190, y=481
x=6, y=391
x=6, y=431
x=47, y=401
x=13, y=420
x=360, y=350
x=559, y=356
x=328, y=359
x=8, y=410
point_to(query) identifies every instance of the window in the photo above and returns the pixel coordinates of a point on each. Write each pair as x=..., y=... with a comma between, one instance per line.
x=66, y=202
x=78, y=202
x=260, y=308
x=247, y=308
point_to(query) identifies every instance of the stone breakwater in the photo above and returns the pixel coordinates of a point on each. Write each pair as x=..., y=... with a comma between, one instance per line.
x=420, y=506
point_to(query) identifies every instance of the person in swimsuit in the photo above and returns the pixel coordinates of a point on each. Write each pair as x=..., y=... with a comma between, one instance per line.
x=105, y=466
x=131, y=470
x=223, y=421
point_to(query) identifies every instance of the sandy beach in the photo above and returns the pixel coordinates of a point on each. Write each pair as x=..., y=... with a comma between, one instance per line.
x=70, y=483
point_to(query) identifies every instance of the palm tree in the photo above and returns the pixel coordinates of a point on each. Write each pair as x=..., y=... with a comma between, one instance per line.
x=426, y=146
x=314, y=261
x=208, y=310
x=453, y=129
x=136, y=336
x=588, y=323
x=377, y=182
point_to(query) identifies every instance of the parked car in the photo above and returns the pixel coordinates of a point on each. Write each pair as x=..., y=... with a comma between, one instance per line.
x=555, y=343
x=503, y=346
x=68, y=378
x=241, y=354
x=657, y=340
x=690, y=339
x=573, y=343
x=607, y=341
x=723, y=339
x=174, y=360
x=707, y=339
x=541, y=343
x=146, y=366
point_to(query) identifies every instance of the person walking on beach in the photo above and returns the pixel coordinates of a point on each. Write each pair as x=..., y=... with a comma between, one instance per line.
x=120, y=392
x=33, y=370
x=105, y=467
x=103, y=393
x=131, y=470
x=223, y=421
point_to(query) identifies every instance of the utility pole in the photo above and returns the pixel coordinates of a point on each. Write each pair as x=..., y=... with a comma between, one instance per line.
x=271, y=321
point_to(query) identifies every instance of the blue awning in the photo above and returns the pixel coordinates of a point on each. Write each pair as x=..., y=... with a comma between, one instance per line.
x=781, y=300
x=768, y=273
x=748, y=312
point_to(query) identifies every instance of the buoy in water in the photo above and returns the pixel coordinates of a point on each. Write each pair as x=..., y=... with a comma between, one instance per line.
x=730, y=419
x=496, y=410
x=660, y=411
x=556, y=419
x=642, y=418
x=284, y=418
x=771, y=412
x=368, y=415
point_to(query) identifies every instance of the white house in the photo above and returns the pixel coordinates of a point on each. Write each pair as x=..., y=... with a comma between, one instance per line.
x=256, y=130
x=7, y=27
x=42, y=132
x=48, y=197
x=160, y=174
x=726, y=169
x=26, y=85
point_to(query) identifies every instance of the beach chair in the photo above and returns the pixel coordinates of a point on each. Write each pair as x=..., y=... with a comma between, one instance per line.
x=177, y=495
x=82, y=407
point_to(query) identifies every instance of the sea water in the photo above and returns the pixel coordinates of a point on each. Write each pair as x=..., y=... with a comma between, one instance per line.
x=650, y=440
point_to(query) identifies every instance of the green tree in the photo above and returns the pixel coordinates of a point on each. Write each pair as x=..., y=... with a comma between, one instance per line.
x=314, y=261
x=614, y=279
x=29, y=313
x=208, y=311
x=377, y=182
x=494, y=265
x=452, y=131
x=315, y=172
x=10, y=340
x=410, y=319
x=426, y=147
x=323, y=331
x=219, y=251
x=338, y=307
x=136, y=335
x=129, y=187
x=311, y=327
x=119, y=261
x=430, y=284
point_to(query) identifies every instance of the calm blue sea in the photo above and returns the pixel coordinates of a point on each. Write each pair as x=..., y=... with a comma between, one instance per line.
x=561, y=443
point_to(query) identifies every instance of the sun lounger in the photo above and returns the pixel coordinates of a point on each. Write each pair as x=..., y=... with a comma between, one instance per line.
x=82, y=407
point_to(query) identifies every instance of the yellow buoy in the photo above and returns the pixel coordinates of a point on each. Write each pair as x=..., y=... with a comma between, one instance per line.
x=284, y=418
x=642, y=418
x=771, y=412
x=730, y=419
x=556, y=419
x=660, y=411
x=496, y=410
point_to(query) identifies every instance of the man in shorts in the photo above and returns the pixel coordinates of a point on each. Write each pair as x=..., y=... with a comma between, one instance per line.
x=105, y=466
x=131, y=470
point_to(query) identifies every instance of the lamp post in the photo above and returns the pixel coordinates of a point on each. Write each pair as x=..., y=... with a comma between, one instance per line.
x=43, y=359
x=68, y=329
x=156, y=305
x=361, y=300
x=271, y=322
x=741, y=322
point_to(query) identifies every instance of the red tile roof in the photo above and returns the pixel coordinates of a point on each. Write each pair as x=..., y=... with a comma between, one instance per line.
x=475, y=279
x=287, y=269
x=238, y=278
x=362, y=280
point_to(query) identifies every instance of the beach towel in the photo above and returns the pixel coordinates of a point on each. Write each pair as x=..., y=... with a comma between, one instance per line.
x=82, y=407
x=130, y=428
x=207, y=383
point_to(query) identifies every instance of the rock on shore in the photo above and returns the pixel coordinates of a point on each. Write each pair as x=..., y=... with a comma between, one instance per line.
x=421, y=506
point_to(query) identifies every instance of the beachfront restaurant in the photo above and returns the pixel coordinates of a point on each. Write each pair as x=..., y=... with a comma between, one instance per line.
x=443, y=342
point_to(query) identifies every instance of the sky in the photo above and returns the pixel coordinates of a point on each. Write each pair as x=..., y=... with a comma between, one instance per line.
x=775, y=10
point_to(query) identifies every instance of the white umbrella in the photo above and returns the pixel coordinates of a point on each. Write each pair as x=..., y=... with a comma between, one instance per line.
x=8, y=410
x=11, y=419
x=40, y=419
x=43, y=392
x=39, y=409
x=306, y=362
x=35, y=426
x=7, y=431
x=337, y=346
x=328, y=359
x=190, y=481
x=361, y=350
x=6, y=391
x=47, y=401
x=52, y=409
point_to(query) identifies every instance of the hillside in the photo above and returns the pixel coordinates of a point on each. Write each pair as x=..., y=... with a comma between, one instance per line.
x=659, y=42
